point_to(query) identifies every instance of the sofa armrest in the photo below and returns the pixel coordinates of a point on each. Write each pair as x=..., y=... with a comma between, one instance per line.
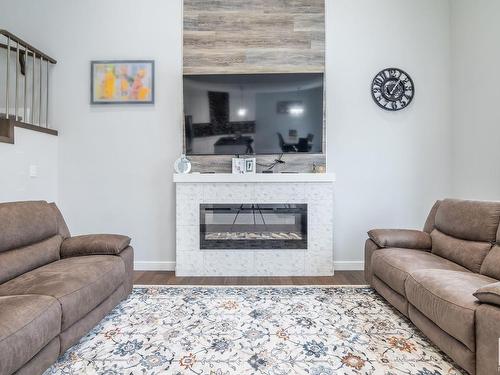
x=487, y=339
x=405, y=238
x=489, y=294
x=94, y=244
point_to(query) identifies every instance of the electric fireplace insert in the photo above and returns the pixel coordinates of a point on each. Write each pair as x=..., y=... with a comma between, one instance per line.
x=253, y=226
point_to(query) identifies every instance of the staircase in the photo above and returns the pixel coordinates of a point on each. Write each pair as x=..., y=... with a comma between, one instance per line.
x=24, y=87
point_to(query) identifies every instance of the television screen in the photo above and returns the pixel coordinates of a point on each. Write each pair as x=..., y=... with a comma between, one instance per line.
x=238, y=114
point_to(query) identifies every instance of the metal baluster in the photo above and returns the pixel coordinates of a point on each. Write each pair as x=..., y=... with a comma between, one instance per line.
x=33, y=91
x=40, y=94
x=17, y=82
x=7, y=82
x=47, y=98
x=25, y=101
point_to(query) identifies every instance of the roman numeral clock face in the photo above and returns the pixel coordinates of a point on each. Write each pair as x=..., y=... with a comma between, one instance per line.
x=392, y=89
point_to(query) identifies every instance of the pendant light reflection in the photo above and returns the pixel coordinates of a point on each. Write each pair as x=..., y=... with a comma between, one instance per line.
x=297, y=110
x=242, y=111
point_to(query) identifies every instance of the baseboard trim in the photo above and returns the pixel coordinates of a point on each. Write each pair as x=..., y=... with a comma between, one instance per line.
x=340, y=265
x=349, y=265
x=154, y=266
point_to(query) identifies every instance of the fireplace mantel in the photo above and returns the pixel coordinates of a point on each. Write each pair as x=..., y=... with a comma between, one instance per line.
x=194, y=191
x=257, y=177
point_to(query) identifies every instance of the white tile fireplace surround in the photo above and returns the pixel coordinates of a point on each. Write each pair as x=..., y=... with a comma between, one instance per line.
x=313, y=190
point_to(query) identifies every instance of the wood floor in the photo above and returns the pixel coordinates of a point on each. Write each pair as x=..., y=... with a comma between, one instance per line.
x=169, y=278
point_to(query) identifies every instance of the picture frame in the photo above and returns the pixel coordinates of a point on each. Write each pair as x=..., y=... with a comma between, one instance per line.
x=250, y=164
x=238, y=166
x=122, y=82
x=244, y=165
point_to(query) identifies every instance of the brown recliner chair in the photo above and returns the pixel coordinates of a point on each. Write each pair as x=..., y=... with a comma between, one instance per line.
x=445, y=279
x=54, y=288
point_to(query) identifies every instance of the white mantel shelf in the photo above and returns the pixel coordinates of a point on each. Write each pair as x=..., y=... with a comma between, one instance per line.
x=257, y=177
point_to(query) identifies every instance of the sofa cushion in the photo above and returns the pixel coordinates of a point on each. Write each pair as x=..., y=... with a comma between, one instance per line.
x=468, y=220
x=27, y=324
x=394, y=265
x=18, y=261
x=491, y=264
x=469, y=254
x=489, y=294
x=25, y=223
x=445, y=297
x=79, y=284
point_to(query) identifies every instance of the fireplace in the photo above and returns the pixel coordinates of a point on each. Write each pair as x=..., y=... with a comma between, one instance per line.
x=253, y=226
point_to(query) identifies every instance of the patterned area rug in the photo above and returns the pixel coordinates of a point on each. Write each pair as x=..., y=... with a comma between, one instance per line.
x=254, y=330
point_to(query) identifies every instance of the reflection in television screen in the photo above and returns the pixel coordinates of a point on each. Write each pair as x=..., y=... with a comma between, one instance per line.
x=237, y=114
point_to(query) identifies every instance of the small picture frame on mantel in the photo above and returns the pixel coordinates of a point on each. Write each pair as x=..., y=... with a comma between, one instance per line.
x=250, y=164
x=244, y=165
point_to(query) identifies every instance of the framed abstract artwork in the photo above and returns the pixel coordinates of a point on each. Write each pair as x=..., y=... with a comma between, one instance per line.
x=122, y=82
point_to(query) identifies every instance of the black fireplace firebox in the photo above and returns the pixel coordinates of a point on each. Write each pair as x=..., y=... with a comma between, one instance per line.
x=253, y=226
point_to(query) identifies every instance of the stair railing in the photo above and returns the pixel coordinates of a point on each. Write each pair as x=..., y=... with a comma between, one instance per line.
x=31, y=115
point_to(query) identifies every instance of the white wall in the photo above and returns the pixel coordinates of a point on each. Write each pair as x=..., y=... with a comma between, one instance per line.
x=476, y=92
x=116, y=161
x=390, y=167
x=31, y=149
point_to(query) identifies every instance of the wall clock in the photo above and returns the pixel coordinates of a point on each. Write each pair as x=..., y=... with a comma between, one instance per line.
x=392, y=89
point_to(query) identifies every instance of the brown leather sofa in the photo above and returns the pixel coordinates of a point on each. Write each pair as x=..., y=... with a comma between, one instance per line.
x=445, y=279
x=54, y=288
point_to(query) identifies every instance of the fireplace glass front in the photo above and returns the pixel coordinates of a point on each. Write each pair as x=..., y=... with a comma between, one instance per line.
x=253, y=226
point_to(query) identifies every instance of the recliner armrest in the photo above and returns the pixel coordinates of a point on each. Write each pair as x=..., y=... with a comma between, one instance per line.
x=405, y=238
x=489, y=294
x=94, y=244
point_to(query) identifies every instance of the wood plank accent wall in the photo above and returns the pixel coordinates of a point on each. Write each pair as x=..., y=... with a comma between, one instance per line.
x=254, y=36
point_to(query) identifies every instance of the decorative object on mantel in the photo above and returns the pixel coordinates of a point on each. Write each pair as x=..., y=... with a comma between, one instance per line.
x=319, y=168
x=392, y=89
x=182, y=165
x=250, y=165
x=269, y=167
x=122, y=82
x=243, y=165
x=238, y=165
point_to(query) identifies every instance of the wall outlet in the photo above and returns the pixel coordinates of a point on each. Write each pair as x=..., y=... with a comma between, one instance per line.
x=33, y=171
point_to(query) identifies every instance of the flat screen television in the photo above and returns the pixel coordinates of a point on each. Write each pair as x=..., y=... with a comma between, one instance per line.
x=241, y=114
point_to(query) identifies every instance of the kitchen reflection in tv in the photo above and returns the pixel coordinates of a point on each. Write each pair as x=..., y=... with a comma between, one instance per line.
x=239, y=114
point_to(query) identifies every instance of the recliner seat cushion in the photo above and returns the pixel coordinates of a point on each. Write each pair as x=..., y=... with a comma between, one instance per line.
x=394, y=265
x=79, y=284
x=468, y=220
x=25, y=223
x=469, y=254
x=445, y=297
x=27, y=324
